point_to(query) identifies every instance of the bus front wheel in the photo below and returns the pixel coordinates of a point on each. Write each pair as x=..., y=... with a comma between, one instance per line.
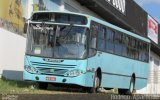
x=96, y=83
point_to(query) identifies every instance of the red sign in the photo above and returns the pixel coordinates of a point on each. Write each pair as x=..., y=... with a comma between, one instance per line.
x=153, y=26
x=152, y=29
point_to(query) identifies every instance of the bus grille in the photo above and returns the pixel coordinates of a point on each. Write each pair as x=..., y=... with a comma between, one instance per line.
x=51, y=71
x=38, y=64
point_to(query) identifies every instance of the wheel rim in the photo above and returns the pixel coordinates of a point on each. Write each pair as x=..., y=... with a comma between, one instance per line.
x=131, y=87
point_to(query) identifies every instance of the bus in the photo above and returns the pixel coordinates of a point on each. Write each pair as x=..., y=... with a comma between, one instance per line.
x=77, y=49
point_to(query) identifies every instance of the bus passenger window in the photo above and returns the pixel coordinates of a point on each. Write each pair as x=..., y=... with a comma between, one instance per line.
x=101, y=39
x=93, y=40
x=141, y=51
x=118, y=43
x=94, y=37
x=124, y=47
x=109, y=41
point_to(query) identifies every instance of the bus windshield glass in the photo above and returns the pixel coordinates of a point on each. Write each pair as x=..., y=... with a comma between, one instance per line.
x=60, y=18
x=57, y=41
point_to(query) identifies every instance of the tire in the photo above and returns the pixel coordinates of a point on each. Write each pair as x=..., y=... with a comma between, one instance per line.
x=42, y=85
x=96, y=84
x=122, y=91
x=129, y=91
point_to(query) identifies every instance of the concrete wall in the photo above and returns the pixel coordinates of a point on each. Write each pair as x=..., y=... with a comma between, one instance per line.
x=12, y=51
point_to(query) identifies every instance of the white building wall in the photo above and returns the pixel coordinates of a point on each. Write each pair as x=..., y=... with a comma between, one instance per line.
x=153, y=86
x=12, y=51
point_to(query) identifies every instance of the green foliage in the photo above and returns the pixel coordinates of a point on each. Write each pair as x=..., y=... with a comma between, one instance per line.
x=21, y=87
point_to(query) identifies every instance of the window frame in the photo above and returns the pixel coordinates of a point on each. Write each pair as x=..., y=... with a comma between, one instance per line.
x=125, y=42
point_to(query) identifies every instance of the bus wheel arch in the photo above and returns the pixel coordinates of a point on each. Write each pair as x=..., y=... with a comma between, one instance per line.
x=99, y=74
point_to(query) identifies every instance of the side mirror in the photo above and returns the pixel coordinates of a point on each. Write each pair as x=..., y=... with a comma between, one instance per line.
x=25, y=28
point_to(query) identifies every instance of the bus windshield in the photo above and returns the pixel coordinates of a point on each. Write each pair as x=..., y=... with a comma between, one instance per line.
x=57, y=41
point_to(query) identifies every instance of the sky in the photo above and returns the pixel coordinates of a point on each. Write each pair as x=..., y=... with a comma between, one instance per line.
x=152, y=7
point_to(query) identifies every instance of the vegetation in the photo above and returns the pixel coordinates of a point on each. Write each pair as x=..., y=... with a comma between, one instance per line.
x=21, y=87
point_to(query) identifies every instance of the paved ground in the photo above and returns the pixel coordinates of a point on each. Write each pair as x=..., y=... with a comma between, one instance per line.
x=78, y=97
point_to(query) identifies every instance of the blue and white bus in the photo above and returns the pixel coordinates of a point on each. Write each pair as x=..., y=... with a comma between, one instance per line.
x=78, y=49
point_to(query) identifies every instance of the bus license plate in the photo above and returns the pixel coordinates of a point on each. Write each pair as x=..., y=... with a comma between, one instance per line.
x=50, y=78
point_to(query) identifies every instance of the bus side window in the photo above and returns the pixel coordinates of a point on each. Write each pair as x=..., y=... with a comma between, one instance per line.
x=141, y=51
x=109, y=41
x=124, y=47
x=145, y=52
x=137, y=51
x=93, y=39
x=118, y=43
x=101, y=39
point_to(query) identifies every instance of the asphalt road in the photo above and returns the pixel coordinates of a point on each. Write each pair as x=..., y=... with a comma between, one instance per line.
x=78, y=97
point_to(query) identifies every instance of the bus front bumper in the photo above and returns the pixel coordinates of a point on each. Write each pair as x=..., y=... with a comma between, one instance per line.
x=85, y=80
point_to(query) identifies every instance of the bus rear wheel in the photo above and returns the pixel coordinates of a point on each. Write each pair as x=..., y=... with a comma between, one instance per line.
x=129, y=91
x=42, y=85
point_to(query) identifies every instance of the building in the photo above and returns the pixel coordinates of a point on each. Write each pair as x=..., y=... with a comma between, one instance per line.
x=119, y=13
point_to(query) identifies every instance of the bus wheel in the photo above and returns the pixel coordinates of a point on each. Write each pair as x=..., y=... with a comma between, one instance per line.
x=122, y=91
x=96, y=84
x=129, y=91
x=42, y=85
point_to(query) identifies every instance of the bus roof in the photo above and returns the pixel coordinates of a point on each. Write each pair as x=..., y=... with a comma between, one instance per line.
x=101, y=22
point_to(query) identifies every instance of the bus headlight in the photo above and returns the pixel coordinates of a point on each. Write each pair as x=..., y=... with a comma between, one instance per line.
x=30, y=69
x=73, y=73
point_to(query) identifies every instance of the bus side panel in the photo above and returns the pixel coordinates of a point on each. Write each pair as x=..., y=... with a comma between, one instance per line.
x=117, y=71
x=114, y=81
x=140, y=83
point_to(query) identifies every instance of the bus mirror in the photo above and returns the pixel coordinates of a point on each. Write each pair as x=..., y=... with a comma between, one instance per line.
x=93, y=43
x=25, y=28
